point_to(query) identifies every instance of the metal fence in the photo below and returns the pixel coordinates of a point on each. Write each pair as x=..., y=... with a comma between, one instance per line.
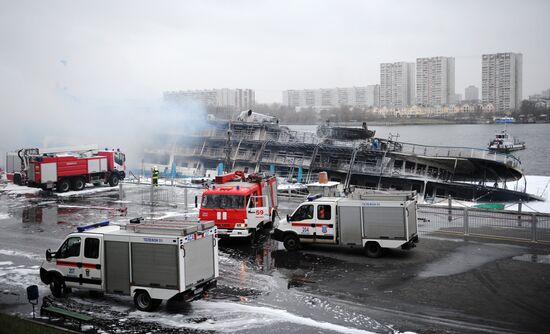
x=159, y=196
x=503, y=225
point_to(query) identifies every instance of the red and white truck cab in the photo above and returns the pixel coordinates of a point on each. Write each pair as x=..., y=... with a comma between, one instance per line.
x=240, y=204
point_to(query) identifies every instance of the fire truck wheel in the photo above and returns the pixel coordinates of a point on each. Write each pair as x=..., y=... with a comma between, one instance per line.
x=63, y=185
x=144, y=302
x=57, y=286
x=291, y=242
x=78, y=184
x=373, y=249
x=113, y=180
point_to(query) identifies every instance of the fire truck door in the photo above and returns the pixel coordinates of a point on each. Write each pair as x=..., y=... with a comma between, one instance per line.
x=256, y=213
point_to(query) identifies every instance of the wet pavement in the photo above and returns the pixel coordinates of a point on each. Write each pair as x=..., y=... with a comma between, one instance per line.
x=442, y=286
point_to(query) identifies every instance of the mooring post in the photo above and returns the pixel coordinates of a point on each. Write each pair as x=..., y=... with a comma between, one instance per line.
x=120, y=191
x=185, y=196
x=520, y=204
x=449, y=218
x=533, y=227
x=466, y=222
x=151, y=198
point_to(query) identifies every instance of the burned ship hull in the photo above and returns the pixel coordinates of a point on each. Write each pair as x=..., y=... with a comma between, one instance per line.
x=463, y=173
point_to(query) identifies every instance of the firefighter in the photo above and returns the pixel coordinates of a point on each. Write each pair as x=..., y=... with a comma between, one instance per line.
x=155, y=172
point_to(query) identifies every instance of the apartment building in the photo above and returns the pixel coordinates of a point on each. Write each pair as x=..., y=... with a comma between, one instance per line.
x=435, y=81
x=501, y=80
x=397, y=84
x=239, y=99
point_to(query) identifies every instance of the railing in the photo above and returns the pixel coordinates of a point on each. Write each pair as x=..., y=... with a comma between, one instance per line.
x=483, y=223
x=158, y=196
x=457, y=152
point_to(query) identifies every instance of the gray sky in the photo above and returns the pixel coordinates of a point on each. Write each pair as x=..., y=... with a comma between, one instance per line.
x=142, y=48
x=70, y=67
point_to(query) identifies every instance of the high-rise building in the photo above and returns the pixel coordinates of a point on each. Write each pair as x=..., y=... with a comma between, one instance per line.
x=373, y=95
x=332, y=97
x=501, y=80
x=239, y=99
x=435, y=81
x=471, y=93
x=396, y=84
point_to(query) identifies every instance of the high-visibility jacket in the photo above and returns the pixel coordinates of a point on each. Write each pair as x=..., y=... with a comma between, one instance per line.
x=156, y=174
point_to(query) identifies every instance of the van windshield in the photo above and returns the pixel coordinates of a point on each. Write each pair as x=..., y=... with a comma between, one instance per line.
x=223, y=201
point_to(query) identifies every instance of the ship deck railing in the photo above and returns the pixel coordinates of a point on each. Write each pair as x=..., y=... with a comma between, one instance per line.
x=396, y=147
x=456, y=152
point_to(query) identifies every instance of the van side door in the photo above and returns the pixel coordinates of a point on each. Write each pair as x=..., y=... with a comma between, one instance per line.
x=68, y=260
x=91, y=273
x=325, y=223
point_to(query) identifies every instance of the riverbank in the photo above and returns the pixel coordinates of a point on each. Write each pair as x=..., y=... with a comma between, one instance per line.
x=417, y=121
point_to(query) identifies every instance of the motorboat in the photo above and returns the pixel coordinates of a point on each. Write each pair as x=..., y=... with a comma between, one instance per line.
x=504, y=142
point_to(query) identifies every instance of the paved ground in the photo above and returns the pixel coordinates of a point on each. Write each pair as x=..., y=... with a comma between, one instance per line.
x=442, y=286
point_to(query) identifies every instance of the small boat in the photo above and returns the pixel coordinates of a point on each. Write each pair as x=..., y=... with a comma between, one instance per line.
x=504, y=120
x=505, y=143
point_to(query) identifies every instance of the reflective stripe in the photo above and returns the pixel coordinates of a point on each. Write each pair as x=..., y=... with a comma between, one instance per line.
x=78, y=264
x=312, y=225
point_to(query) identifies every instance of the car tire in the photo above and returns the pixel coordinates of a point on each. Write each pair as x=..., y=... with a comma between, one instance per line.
x=291, y=242
x=57, y=287
x=373, y=249
x=113, y=180
x=78, y=184
x=63, y=185
x=144, y=302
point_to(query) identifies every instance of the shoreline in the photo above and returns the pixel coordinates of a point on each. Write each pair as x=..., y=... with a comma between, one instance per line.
x=414, y=121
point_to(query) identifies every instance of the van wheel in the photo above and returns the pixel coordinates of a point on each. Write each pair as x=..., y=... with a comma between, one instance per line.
x=57, y=287
x=144, y=302
x=63, y=185
x=113, y=180
x=373, y=249
x=291, y=242
x=78, y=184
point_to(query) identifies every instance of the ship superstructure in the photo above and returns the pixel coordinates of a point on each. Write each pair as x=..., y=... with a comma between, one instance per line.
x=433, y=171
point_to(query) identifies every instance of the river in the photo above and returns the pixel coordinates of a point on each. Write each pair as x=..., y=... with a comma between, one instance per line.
x=535, y=159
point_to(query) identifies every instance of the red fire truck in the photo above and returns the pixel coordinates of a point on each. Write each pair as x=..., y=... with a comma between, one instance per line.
x=240, y=204
x=68, y=171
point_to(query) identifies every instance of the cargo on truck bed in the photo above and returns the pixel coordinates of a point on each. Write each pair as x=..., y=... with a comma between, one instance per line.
x=377, y=221
x=151, y=261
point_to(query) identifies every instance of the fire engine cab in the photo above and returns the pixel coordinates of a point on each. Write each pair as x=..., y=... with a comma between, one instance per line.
x=240, y=204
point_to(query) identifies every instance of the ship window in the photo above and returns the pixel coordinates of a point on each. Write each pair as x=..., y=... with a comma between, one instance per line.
x=217, y=201
x=323, y=212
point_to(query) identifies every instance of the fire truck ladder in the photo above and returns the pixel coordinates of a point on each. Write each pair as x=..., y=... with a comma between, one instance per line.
x=311, y=163
x=350, y=170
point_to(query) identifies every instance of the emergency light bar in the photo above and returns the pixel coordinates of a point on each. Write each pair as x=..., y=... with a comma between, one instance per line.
x=89, y=227
x=314, y=197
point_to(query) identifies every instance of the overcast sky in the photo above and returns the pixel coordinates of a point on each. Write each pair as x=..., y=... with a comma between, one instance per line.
x=109, y=49
x=71, y=69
